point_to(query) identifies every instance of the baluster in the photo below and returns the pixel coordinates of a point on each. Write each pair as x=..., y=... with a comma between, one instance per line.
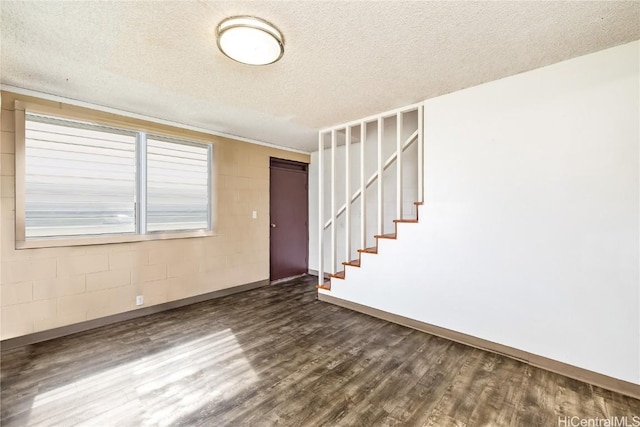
x=320, y=209
x=380, y=180
x=399, y=165
x=347, y=194
x=333, y=201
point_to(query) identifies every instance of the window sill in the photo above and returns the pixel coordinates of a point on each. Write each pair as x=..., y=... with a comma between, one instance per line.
x=55, y=242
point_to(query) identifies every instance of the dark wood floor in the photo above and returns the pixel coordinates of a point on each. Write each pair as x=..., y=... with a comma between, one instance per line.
x=277, y=356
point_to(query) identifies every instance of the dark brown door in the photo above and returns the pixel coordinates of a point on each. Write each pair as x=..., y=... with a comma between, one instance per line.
x=288, y=200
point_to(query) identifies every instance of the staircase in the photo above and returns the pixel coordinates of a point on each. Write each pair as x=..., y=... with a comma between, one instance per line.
x=326, y=285
x=364, y=154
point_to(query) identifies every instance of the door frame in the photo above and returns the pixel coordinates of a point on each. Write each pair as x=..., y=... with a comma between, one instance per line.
x=292, y=165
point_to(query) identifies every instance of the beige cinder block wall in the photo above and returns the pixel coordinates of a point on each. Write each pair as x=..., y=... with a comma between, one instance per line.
x=51, y=287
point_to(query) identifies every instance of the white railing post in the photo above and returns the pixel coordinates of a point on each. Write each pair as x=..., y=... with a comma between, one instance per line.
x=421, y=153
x=320, y=209
x=380, y=180
x=399, y=150
x=347, y=194
x=333, y=201
x=363, y=189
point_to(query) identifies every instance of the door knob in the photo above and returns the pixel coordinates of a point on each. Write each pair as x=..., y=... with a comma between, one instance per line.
x=273, y=226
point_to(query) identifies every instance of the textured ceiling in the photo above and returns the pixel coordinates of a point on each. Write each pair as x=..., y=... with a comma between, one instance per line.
x=343, y=60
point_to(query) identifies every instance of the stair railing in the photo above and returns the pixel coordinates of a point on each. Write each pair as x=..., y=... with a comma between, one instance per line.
x=396, y=157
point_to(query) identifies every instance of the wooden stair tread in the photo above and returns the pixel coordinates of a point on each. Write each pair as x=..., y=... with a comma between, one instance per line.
x=326, y=286
x=405, y=220
x=371, y=250
x=353, y=263
x=386, y=236
x=338, y=275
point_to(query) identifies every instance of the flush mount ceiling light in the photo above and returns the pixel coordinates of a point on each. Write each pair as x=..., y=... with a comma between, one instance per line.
x=250, y=40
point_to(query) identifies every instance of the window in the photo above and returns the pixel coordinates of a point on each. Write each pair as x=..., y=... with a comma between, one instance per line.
x=79, y=179
x=83, y=180
x=177, y=186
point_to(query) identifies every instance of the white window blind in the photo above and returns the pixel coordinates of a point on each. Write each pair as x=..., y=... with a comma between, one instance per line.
x=178, y=180
x=80, y=178
x=83, y=179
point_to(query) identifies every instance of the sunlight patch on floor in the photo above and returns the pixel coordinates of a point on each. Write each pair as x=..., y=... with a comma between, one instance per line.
x=153, y=390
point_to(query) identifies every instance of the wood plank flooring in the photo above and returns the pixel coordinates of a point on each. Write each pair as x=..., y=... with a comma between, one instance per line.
x=277, y=356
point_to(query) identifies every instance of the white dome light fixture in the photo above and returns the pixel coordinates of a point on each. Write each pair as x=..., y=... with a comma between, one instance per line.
x=250, y=40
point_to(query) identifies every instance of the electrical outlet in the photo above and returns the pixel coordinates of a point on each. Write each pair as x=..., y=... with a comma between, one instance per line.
x=254, y=214
x=139, y=300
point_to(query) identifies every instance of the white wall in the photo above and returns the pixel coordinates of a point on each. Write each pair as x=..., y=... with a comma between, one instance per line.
x=529, y=236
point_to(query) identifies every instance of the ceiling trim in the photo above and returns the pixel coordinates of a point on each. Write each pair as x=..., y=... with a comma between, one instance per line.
x=104, y=109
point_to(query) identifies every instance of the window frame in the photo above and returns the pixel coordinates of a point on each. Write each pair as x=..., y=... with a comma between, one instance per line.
x=142, y=187
x=21, y=108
